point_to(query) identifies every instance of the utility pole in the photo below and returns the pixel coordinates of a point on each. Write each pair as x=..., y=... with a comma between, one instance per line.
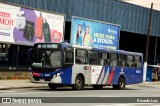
x=147, y=43
x=155, y=48
x=148, y=33
x=155, y=51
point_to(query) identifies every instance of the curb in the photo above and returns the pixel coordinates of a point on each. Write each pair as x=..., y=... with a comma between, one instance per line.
x=146, y=86
x=3, y=88
x=7, y=88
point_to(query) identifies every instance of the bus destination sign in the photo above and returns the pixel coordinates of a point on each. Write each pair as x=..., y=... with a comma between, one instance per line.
x=47, y=46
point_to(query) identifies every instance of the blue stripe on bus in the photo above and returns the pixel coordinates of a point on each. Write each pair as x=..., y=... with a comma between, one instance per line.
x=67, y=75
x=131, y=77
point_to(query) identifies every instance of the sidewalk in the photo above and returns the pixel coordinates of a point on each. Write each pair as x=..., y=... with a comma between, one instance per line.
x=15, y=84
x=146, y=84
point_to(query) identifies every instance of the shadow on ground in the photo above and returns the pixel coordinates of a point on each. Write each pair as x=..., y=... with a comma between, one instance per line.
x=85, y=89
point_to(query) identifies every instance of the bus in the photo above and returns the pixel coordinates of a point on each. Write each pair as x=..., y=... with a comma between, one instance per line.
x=61, y=64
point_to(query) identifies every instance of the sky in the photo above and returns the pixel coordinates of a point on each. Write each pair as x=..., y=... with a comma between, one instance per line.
x=145, y=3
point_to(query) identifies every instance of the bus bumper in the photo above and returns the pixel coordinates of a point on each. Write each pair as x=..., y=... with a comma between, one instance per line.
x=55, y=80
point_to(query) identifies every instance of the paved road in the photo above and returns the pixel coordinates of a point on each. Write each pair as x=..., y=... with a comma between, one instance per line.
x=130, y=91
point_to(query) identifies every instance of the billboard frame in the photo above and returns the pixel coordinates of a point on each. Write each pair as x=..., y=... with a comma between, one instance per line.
x=31, y=8
x=92, y=20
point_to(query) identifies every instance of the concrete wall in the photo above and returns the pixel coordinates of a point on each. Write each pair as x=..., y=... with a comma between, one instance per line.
x=14, y=75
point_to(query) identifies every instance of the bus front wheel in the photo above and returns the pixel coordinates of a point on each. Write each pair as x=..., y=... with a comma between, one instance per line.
x=121, y=84
x=52, y=86
x=79, y=83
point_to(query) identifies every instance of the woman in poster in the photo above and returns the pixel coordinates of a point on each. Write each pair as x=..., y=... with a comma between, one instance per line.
x=87, y=39
x=79, y=35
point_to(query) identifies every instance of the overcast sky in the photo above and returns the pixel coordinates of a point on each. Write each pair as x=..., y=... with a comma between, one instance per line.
x=146, y=3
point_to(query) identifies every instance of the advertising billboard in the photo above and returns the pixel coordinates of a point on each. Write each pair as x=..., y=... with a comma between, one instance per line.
x=94, y=33
x=28, y=26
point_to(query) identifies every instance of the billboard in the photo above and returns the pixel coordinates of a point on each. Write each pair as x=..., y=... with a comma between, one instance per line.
x=28, y=26
x=94, y=33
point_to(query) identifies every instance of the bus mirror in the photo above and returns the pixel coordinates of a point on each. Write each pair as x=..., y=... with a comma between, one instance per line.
x=64, y=58
x=29, y=58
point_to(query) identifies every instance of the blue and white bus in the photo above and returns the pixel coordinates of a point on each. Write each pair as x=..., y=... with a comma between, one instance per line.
x=60, y=64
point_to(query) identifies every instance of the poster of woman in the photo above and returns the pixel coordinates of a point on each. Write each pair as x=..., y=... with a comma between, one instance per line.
x=87, y=39
x=79, y=35
x=87, y=32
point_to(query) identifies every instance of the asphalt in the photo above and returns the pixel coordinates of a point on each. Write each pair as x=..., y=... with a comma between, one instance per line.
x=21, y=83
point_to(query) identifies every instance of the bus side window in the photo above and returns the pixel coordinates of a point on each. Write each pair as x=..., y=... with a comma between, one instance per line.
x=137, y=60
x=113, y=58
x=121, y=60
x=68, y=56
x=105, y=59
x=81, y=56
x=130, y=61
x=94, y=58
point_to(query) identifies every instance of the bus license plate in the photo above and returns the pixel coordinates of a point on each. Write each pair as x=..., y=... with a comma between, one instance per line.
x=41, y=80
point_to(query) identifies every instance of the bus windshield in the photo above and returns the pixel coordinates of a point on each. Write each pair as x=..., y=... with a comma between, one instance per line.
x=45, y=58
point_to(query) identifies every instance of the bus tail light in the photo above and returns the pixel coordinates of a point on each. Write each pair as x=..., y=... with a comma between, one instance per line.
x=36, y=74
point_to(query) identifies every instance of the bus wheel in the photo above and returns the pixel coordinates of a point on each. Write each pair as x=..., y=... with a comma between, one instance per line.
x=52, y=86
x=97, y=86
x=79, y=83
x=121, y=84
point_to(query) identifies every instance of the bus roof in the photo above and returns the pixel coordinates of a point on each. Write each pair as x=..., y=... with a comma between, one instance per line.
x=65, y=44
x=107, y=50
x=118, y=51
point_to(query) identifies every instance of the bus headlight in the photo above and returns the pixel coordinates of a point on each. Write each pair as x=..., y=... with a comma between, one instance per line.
x=57, y=74
x=54, y=75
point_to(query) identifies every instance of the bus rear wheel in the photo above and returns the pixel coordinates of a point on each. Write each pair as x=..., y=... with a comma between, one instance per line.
x=97, y=86
x=79, y=83
x=121, y=84
x=52, y=86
